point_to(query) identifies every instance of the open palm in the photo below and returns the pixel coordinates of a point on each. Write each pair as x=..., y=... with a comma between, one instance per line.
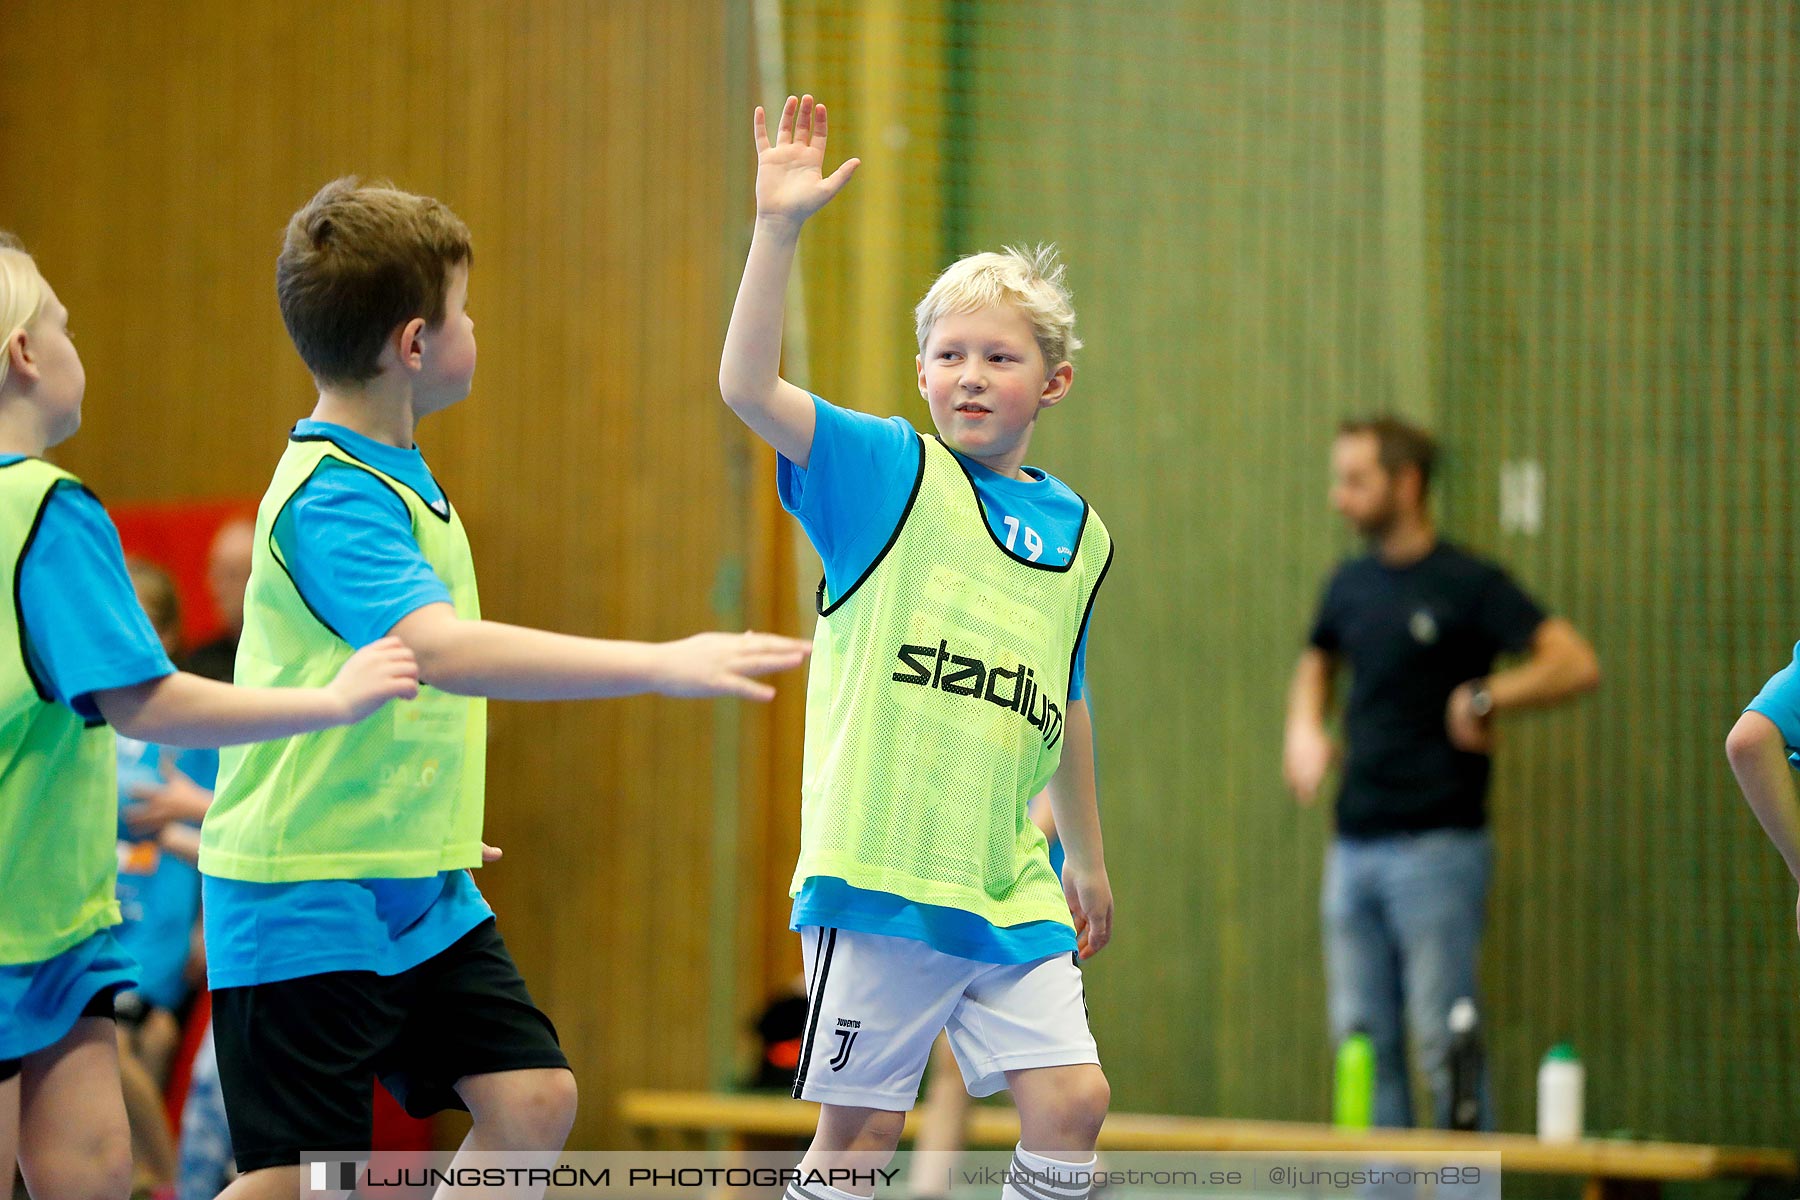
x=790, y=178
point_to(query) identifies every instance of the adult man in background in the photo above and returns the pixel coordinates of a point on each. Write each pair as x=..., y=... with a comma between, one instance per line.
x=1419, y=622
x=227, y=575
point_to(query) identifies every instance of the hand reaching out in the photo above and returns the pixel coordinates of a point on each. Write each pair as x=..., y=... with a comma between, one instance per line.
x=790, y=179
x=724, y=664
x=381, y=671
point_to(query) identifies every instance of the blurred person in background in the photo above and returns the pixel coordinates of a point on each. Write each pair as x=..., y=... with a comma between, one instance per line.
x=1419, y=621
x=227, y=575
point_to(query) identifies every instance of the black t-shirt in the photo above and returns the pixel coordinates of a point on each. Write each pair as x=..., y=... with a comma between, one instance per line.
x=1410, y=635
x=215, y=660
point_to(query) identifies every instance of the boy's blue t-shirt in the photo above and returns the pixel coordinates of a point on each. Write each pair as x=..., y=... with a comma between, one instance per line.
x=84, y=629
x=849, y=499
x=348, y=543
x=1779, y=701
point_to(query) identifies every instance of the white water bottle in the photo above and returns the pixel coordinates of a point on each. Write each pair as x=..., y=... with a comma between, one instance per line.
x=1560, y=1083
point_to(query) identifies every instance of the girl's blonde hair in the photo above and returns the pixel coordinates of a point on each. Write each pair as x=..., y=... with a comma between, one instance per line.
x=22, y=293
x=1030, y=278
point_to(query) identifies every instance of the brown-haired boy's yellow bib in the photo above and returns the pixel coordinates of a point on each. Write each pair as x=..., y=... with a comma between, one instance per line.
x=397, y=796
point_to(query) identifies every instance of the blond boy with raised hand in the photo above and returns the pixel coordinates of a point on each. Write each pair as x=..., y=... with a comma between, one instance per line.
x=946, y=690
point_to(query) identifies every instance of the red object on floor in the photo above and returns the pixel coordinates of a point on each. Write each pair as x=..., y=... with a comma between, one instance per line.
x=181, y=1071
x=394, y=1130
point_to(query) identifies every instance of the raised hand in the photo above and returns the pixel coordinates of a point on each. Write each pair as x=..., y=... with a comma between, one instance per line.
x=725, y=664
x=381, y=671
x=790, y=179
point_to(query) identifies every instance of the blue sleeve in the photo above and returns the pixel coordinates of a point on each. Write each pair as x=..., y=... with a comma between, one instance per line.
x=348, y=543
x=1078, y=672
x=858, y=477
x=84, y=629
x=1779, y=701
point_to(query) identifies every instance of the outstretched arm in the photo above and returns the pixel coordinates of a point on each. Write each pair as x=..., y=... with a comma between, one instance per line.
x=1759, y=760
x=1758, y=756
x=509, y=662
x=790, y=187
x=186, y=710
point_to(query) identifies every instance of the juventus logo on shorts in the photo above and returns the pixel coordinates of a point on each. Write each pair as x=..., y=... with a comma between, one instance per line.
x=848, y=1039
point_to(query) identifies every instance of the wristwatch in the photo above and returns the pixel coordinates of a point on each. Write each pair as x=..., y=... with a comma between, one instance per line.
x=1481, y=701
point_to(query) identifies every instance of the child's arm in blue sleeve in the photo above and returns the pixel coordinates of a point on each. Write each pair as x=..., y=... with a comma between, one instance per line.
x=84, y=628
x=347, y=541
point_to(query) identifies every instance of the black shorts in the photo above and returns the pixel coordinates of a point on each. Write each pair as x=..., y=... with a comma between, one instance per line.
x=298, y=1058
x=101, y=1005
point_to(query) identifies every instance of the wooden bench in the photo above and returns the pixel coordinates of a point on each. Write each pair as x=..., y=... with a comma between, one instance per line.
x=1613, y=1169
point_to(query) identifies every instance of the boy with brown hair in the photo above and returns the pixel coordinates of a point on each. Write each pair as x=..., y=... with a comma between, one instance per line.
x=346, y=937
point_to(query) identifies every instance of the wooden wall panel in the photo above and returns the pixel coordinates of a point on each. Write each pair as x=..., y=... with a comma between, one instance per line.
x=153, y=161
x=1617, y=225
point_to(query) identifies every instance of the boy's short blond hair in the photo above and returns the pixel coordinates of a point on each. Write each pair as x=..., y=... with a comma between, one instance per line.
x=22, y=292
x=1030, y=279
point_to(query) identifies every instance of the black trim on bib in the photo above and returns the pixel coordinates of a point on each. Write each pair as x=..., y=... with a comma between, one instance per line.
x=819, y=604
x=821, y=971
x=276, y=556
x=1081, y=630
x=1080, y=530
x=376, y=471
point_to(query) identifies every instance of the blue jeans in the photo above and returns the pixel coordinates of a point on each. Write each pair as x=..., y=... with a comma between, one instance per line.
x=1403, y=918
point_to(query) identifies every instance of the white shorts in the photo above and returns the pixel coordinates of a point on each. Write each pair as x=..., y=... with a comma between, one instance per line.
x=876, y=1003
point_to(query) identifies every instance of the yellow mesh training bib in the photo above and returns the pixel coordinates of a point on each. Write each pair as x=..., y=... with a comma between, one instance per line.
x=397, y=796
x=58, y=785
x=935, y=708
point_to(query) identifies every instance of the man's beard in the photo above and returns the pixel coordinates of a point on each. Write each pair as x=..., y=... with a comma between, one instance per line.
x=1380, y=524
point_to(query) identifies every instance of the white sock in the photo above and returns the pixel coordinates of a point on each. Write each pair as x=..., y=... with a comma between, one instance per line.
x=1034, y=1177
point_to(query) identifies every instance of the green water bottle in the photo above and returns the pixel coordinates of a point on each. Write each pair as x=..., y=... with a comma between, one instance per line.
x=1353, y=1085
